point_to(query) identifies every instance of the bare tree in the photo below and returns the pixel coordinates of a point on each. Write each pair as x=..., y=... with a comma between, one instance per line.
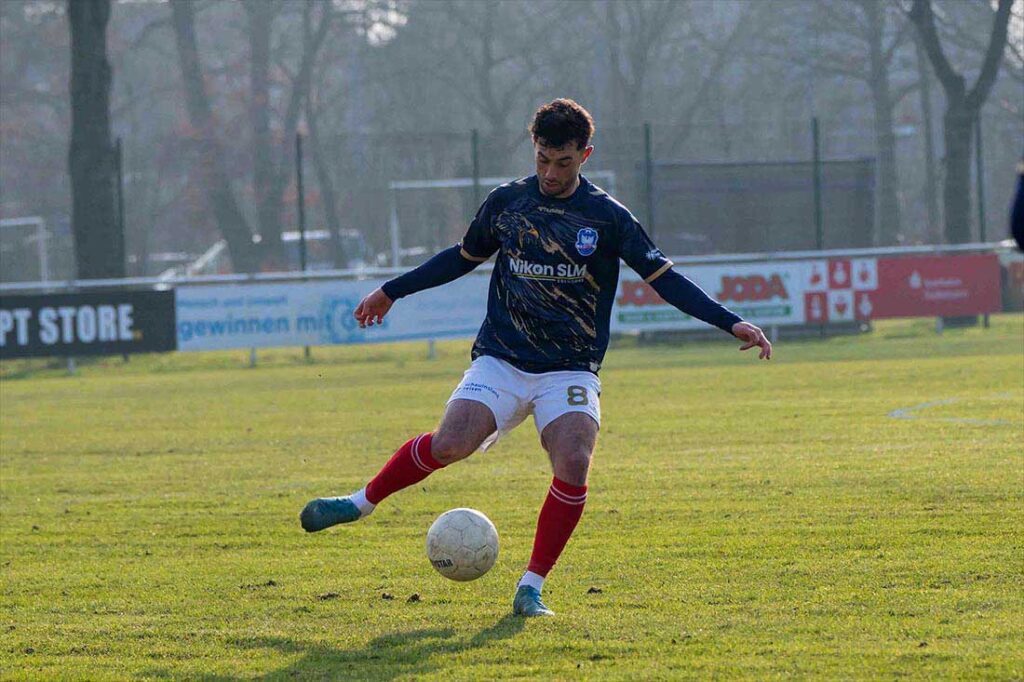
x=490, y=61
x=688, y=97
x=260, y=15
x=230, y=221
x=931, y=193
x=962, y=108
x=956, y=21
x=35, y=112
x=863, y=40
x=99, y=242
x=884, y=34
x=325, y=181
x=635, y=34
x=272, y=172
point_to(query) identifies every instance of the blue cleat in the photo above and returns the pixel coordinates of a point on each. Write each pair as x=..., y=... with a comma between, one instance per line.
x=325, y=512
x=527, y=603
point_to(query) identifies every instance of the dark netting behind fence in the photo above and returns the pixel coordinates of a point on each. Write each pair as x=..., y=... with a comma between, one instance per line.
x=745, y=207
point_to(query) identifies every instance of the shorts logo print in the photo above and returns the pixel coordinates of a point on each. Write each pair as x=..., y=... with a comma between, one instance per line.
x=479, y=388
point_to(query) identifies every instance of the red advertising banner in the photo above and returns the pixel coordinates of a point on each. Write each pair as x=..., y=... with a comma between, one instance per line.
x=933, y=286
x=825, y=291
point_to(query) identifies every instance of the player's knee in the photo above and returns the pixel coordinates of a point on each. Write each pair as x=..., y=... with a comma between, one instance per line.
x=447, y=448
x=573, y=466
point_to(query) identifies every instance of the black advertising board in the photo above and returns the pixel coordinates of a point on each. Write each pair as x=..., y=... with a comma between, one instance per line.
x=93, y=323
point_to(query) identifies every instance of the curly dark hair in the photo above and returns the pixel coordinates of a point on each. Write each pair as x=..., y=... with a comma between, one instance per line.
x=562, y=121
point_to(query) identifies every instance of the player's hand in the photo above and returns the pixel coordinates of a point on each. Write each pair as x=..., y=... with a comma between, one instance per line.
x=751, y=335
x=372, y=309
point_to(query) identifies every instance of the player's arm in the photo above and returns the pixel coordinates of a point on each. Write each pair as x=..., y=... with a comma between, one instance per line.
x=444, y=267
x=477, y=246
x=640, y=253
x=681, y=292
x=1017, y=215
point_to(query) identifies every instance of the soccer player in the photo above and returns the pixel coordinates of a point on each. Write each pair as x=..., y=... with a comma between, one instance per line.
x=558, y=240
x=1017, y=212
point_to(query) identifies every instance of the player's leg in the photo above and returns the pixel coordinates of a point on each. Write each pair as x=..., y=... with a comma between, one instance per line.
x=568, y=415
x=570, y=441
x=465, y=425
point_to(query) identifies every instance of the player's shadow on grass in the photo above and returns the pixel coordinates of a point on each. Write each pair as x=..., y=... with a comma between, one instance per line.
x=415, y=652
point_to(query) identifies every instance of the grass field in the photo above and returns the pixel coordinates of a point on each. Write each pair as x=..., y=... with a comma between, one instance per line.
x=745, y=520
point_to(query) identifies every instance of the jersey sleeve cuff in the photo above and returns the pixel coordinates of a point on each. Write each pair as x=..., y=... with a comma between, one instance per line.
x=470, y=257
x=658, y=273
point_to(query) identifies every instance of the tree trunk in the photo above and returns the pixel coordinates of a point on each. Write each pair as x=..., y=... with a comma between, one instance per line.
x=326, y=183
x=962, y=106
x=268, y=211
x=888, y=224
x=99, y=241
x=931, y=195
x=615, y=82
x=272, y=177
x=229, y=217
x=888, y=227
x=958, y=133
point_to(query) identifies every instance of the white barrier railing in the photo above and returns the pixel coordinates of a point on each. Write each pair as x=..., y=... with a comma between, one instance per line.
x=316, y=308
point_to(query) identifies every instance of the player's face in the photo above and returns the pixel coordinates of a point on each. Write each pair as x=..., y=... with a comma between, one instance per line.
x=558, y=168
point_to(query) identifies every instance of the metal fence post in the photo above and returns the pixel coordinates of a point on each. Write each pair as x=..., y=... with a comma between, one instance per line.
x=301, y=201
x=474, y=144
x=648, y=179
x=396, y=237
x=979, y=178
x=119, y=167
x=819, y=228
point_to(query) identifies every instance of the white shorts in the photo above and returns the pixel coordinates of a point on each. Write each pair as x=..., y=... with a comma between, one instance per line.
x=512, y=394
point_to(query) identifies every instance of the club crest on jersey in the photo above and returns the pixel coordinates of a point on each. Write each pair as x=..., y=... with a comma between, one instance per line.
x=586, y=241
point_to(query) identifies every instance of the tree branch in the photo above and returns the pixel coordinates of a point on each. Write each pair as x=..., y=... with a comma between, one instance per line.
x=923, y=17
x=897, y=42
x=722, y=56
x=993, y=57
x=147, y=30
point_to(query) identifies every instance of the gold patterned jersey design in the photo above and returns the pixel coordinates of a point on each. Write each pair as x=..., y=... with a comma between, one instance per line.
x=555, y=273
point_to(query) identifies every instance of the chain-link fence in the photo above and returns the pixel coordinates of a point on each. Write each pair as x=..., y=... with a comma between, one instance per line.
x=703, y=188
x=376, y=199
x=699, y=189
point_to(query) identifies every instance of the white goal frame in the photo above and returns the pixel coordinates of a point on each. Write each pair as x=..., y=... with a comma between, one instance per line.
x=40, y=238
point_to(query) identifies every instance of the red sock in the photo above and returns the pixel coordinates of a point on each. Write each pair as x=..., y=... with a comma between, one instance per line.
x=558, y=518
x=410, y=464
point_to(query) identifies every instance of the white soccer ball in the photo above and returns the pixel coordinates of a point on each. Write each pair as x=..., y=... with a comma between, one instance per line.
x=462, y=544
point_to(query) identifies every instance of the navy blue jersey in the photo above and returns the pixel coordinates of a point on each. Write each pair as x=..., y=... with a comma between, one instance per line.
x=556, y=273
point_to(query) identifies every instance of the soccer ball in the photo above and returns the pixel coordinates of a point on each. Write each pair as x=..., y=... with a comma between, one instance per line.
x=462, y=544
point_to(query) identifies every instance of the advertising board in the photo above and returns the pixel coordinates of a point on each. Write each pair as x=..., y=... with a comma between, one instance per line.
x=93, y=323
